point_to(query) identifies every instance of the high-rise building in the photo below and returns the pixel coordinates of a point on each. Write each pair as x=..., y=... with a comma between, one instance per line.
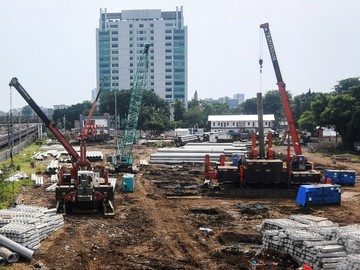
x=120, y=39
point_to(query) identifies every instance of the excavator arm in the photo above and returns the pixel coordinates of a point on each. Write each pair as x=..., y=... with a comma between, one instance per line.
x=282, y=90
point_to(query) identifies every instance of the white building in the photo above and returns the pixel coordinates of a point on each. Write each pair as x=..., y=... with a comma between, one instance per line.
x=247, y=122
x=120, y=39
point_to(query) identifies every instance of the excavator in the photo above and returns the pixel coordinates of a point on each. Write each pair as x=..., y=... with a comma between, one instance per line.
x=83, y=188
x=123, y=160
x=299, y=169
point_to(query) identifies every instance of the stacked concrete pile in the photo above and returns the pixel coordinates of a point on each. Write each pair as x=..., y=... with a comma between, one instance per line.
x=37, y=179
x=52, y=167
x=308, y=239
x=28, y=225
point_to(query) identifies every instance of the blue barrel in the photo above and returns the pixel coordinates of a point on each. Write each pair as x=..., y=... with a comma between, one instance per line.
x=235, y=160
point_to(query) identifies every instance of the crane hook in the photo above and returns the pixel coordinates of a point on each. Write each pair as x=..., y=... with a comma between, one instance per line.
x=261, y=64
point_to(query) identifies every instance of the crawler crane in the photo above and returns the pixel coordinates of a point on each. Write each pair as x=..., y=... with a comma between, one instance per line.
x=123, y=160
x=84, y=189
x=300, y=170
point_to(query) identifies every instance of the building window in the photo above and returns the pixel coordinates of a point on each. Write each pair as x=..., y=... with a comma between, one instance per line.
x=115, y=58
x=248, y=123
x=131, y=71
x=168, y=77
x=168, y=96
x=131, y=77
x=168, y=89
x=168, y=51
x=114, y=39
x=114, y=71
x=168, y=24
x=152, y=83
x=168, y=83
x=131, y=39
x=168, y=57
x=114, y=52
x=114, y=46
x=168, y=64
x=168, y=31
x=167, y=44
x=168, y=70
x=253, y=124
x=130, y=32
x=113, y=26
x=131, y=64
x=131, y=45
x=141, y=25
x=131, y=58
x=168, y=37
x=213, y=124
x=227, y=124
x=151, y=25
x=151, y=31
x=151, y=77
x=130, y=25
x=114, y=65
x=131, y=51
x=114, y=32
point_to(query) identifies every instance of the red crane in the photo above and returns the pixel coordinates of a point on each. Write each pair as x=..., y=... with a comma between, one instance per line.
x=84, y=189
x=282, y=90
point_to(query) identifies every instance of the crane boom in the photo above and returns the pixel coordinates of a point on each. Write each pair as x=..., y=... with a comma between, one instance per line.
x=282, y=90
x=85, y=128
x=68, y=147
x=124, y=158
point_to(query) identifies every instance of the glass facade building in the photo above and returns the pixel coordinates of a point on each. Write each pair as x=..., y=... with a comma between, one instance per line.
x=119, y=42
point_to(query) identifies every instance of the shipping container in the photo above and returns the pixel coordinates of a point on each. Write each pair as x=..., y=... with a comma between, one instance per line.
x=321, y=194
x=341, y=177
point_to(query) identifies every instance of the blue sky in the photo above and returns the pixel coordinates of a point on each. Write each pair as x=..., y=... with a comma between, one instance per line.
x=50, y=45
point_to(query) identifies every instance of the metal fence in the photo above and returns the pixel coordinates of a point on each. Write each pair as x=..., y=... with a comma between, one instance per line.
x=17, y=148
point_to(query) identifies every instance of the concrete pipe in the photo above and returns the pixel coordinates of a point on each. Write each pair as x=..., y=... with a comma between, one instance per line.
x=8, y=255
x=2, y=261
x=15, y=247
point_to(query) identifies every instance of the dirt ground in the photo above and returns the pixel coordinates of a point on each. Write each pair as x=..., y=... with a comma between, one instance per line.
x=158, y=226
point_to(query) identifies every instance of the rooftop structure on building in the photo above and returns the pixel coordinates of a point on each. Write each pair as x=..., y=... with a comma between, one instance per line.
x=120, y=39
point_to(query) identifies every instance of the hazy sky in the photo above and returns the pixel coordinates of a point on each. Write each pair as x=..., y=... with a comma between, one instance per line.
x=50, y=45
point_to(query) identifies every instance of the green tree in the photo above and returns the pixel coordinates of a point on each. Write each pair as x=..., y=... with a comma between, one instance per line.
x=71, y=114
x=27, y=111
x=273, y=105
x=249, y=106
x=179, y=110
x=343, y=111
x=345, y=85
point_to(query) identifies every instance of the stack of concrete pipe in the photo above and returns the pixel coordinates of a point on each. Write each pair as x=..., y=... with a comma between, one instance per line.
x=195, y=152
x=22, y=228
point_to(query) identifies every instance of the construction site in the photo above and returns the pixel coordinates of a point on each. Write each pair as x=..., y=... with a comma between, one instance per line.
x=130, y=203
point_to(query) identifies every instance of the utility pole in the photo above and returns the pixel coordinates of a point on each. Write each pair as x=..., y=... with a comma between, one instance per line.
x=11, y=139
x=116, y=124
x=19, y=127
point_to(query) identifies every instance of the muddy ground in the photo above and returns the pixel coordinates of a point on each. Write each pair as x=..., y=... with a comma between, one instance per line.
x=158, y=226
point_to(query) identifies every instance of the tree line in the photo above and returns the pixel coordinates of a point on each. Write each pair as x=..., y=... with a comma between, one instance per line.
x=339, y=109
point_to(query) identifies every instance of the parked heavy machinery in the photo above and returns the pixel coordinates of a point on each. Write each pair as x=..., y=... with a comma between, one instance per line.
x=298, y=166
x=82, y=189
x=90, y=128
x=123, y=160
x=260, y=168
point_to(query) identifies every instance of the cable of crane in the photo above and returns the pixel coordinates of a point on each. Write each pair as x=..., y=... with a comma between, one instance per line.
x=260, y=58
